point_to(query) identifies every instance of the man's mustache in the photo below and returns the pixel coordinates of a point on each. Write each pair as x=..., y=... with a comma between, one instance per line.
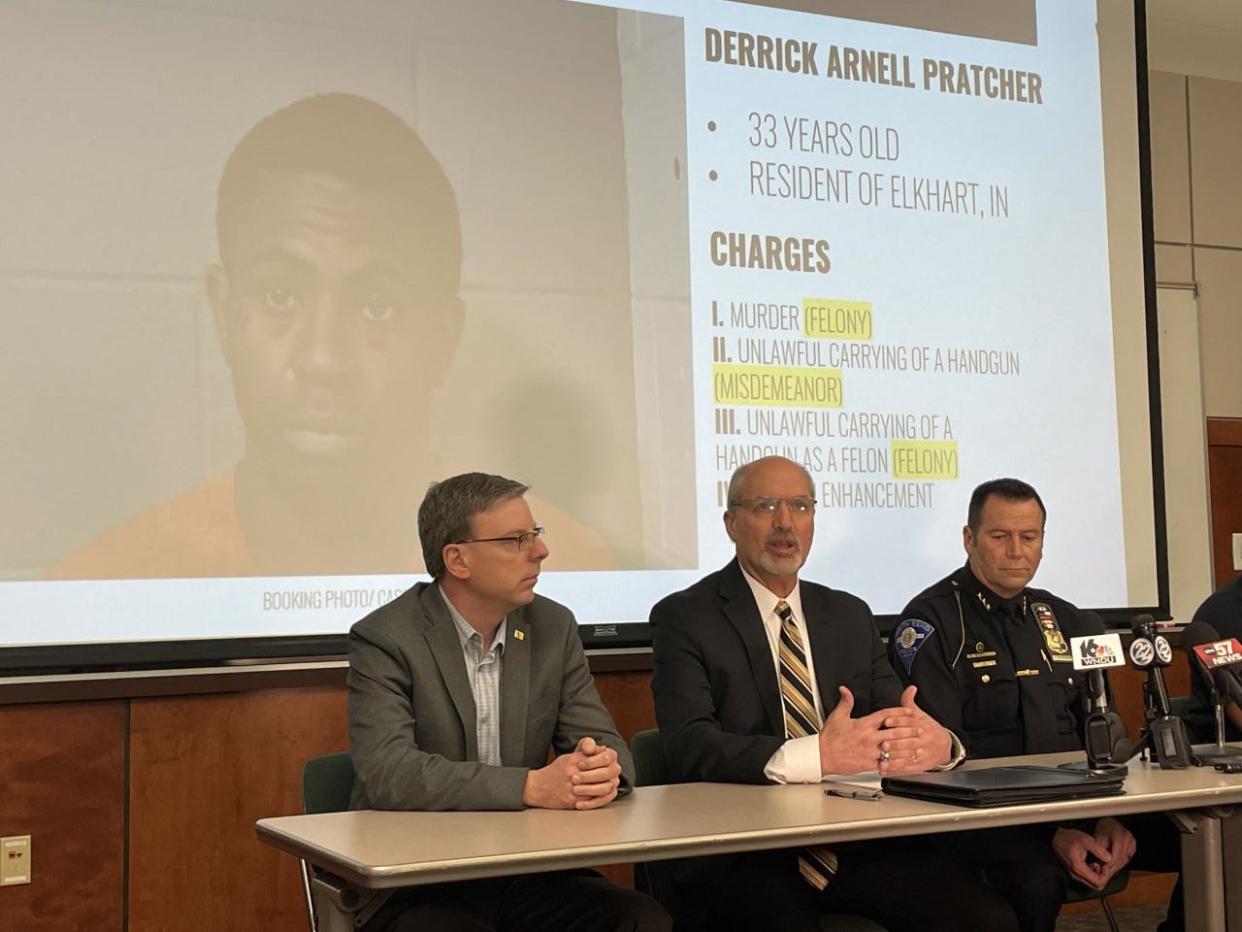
x=783, y=537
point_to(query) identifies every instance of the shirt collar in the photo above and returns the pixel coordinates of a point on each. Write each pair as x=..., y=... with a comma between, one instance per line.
x=989, y=601
x=465, y=632
x=766, y=599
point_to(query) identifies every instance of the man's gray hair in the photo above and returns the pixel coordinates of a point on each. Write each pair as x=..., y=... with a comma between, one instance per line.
x=447, y=508
x=738, y=481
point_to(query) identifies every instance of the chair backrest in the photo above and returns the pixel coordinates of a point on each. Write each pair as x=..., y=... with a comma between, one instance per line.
x=327, y=783
x=649, y=760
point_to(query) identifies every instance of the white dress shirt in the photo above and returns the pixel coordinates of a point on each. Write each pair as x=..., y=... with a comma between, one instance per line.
x=483, y=671
x=797, y=760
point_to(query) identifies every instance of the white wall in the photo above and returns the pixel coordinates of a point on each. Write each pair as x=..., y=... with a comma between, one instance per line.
x=1195, y=56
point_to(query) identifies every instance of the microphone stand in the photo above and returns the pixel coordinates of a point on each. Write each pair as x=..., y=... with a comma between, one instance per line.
x=1164, y=734
x=1143, y=745
x=1104, y=732
x=1220, y=753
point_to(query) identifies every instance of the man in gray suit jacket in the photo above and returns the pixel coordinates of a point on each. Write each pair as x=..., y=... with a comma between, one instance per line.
x=457, y=691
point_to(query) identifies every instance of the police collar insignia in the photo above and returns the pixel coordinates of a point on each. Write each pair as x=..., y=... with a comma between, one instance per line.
x=909, y=637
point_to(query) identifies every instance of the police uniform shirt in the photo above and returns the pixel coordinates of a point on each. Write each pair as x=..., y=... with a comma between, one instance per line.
x=998, y=672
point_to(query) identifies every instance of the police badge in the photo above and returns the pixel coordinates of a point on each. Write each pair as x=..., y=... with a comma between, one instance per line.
x=1058, y=647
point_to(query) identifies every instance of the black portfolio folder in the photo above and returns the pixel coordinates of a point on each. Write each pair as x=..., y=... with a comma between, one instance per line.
x=1006, y=786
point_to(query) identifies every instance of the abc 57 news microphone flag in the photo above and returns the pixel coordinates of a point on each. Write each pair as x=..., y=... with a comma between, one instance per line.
x=1216, y=659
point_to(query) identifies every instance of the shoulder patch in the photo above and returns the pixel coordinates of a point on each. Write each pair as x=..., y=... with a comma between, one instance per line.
x=909, y=637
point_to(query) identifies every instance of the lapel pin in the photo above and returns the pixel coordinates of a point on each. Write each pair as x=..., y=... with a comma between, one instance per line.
x=519, y=635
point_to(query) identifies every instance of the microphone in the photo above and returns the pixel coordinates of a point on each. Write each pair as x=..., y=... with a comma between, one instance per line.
x=1151, y=651
x=1215, y=659
x=1104, y=732
x=1164, y=733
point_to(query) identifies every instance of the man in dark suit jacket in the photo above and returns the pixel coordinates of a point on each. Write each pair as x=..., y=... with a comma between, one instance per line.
x=720, y=649
x=457, y=691
x=1222, y=610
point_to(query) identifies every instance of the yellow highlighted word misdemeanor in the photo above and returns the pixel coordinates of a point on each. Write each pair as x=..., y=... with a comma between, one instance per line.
x=835, y=319
x=924, y=459
x=777, y=386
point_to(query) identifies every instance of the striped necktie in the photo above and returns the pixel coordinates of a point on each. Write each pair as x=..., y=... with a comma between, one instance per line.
x=817, y=863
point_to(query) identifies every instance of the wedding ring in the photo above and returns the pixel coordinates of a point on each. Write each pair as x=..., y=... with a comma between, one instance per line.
x=885, y=757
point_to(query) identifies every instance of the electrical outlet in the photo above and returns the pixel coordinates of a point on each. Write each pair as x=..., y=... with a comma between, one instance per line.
x=1237, y=551
x=14, y=860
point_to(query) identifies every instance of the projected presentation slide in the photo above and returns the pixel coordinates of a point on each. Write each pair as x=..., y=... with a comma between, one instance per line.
x=271, y=268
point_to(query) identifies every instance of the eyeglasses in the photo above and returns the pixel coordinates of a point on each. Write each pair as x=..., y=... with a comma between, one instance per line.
x=799, y=505
x=519, y=541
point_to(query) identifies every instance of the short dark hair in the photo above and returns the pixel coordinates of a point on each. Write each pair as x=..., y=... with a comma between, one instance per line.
x=448, y=507
x=360, y=142
x=1011, y=490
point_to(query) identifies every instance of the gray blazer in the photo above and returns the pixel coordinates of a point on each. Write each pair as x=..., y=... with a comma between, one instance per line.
x=412, y=715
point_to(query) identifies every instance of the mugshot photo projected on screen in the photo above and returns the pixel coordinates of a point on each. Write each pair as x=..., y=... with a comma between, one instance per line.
x=443, y=251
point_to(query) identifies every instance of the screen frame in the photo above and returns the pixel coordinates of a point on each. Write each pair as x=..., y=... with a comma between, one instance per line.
x=209, y=652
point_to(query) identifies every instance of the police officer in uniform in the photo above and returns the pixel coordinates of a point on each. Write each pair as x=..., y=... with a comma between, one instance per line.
x=990, y=657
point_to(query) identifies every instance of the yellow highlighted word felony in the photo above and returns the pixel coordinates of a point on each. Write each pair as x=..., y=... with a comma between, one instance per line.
x=924, y=459
x=777, y=386
x=835, y=319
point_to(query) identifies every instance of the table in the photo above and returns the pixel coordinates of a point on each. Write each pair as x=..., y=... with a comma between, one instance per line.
x=364, y=853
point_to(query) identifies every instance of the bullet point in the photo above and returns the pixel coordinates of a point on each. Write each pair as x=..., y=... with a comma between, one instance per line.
x=712, y=174
x=711, y=126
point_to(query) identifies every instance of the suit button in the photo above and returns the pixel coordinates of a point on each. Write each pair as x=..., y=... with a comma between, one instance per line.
x=985, y=679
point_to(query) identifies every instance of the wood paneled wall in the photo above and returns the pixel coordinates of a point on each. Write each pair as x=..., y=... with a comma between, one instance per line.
x=1127, y=685
x=1225, y=483
x=62, y=781
x=171, y=788
x=628, y=697
x=203, y=770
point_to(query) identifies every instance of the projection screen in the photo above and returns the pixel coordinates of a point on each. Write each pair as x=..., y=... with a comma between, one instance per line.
x=270, y=268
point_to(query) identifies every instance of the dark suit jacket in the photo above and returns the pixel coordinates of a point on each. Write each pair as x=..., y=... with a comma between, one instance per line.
x=719, y=706
x=1223, y=611
x=412, y=716
x=716, y=695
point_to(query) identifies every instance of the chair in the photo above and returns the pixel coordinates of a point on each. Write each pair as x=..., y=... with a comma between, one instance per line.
x=650, y=764
x=651, y=769
x=1076, y=892
x=327, y=783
